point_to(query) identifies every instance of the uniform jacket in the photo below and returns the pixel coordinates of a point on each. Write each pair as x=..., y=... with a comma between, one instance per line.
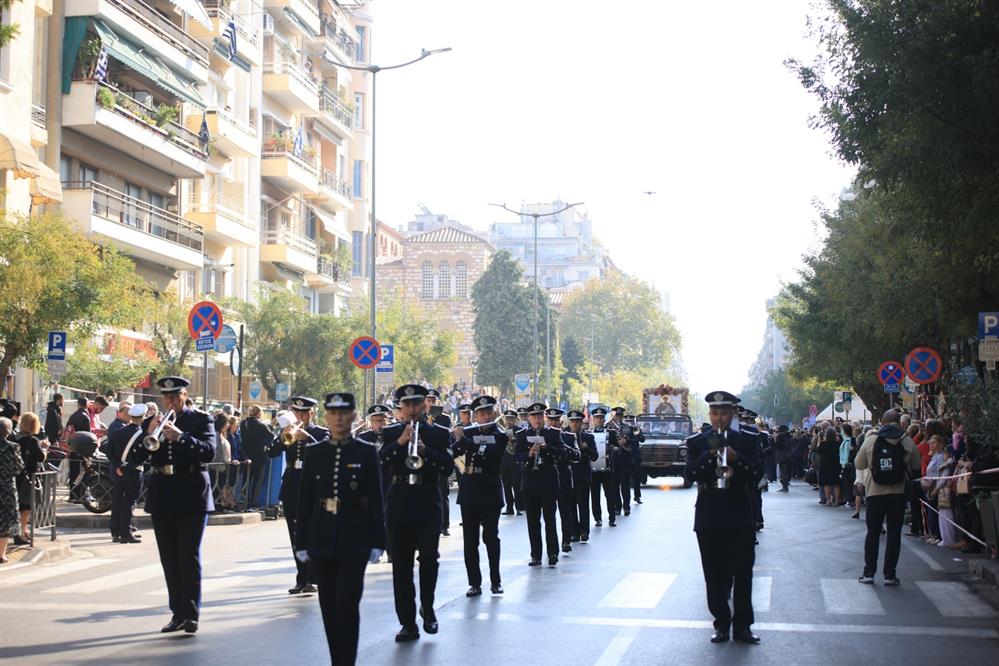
x=582, y=471
x=118, y=441
x=350, y=472
x=422, y=502
x=623, y=457
x=187, y=491
x=481, y=488
x=294, y=460
x=371, y=438
x=731, y=508
x=572, y=456
x=543, y=477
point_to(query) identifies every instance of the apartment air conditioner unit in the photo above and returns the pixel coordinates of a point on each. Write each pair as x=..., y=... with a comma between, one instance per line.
x=268, y=24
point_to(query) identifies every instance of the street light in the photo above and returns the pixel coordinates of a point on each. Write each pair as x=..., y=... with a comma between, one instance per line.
x=372, y=244
x=537, y=360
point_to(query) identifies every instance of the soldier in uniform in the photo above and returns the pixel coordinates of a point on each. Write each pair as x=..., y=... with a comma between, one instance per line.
x=465, y=414
x=375, y=435
x=179, y=499
x=603, y=478
x=637, y=437
x=566, y=500
x=127, y=481
x=723, y=516
x=522, y=416
x=539, y=449
x=291, y=441
x=510, y=469
x=480, y=493
x=624, y=459
x=341, y=523
x=745, y=422
x=416, y=453
x=582, y=474
x=435, y=416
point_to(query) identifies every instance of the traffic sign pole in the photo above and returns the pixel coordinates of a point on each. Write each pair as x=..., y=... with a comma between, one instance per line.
x=239, y=375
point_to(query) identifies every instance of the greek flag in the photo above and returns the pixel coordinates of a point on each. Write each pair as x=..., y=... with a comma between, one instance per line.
x=230, y=34
x=204, y=136
x=299, y=144
x=101, y=71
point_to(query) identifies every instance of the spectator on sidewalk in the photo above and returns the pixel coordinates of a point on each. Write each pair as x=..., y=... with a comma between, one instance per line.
x=929, y=486
x=32, y=457
x=946, y=499
x=829, y=469
x=255, y=437
x=53, y=419
x=10, y=469
x=847, y=455
x=892, y=457
x=121, y=418
x=79, y=421
x=783, y=445
x=94, y=411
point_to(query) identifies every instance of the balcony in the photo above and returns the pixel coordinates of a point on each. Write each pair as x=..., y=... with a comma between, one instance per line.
x=39, y=133
x=247, y=30
x=135, y=227
x=235, y=138
x=146, y=26
x=293, y=173
x=129, y=126
x=306, y=12
x=224, y=220
x=291, y=86
x=334, y=192
x=281, y=245
x=327, y=278
x=337, y=38
x=336, y=114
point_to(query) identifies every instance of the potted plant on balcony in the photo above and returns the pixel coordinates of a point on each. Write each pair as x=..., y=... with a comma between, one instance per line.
x=87, y=55
x=342, y=262
x=105, y=97
x=166, y=114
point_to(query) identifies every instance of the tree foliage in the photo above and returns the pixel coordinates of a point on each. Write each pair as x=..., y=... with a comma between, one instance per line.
x=166, y=318
x=91, y=367
x=8, y=31
x=54, y=278
x=793, y=397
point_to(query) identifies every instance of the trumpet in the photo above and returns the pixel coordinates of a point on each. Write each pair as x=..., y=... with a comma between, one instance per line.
x=288, y=436
x=153, y=440
x=723, y=471
x=413, y=459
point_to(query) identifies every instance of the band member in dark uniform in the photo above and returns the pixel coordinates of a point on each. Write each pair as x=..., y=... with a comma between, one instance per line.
x=179, y=497
x=298, y=433
x=416, y=452
x=465, y=414
x=726, y=466
x=582, y=474
x=127, y=480
x=341, y=523
x=480, y=493
x=603, y=478
x=435, y=416
x=375, y=435
x=566, y=499
x=637, y=476
x=624, y=459
x=511, y=470
x=540, y=448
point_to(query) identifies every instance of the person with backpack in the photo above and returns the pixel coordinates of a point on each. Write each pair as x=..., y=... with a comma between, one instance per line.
x=891, y=456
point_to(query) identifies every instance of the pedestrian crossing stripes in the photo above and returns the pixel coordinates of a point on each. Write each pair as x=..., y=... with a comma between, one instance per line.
x=639, y=590
x=845, y=596
x=955, y=600
x=44, y=572
x=762, y=590
x=109, y=582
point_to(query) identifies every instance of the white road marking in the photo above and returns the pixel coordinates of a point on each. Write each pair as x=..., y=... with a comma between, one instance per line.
x=88, y=608
x=119, y=579
x=42, y=572
x=918, y=552
x=762, y=590
x=845, y=596
x=955, y=600
x=212, y=585
x=639, y=589
x=618, y=647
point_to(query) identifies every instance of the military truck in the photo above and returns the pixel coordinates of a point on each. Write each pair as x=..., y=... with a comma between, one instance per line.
x=666, y=425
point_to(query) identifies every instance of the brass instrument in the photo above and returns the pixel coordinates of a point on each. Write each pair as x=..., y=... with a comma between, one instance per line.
x=723, y=471
x=413, y=459
x=288, y=436
x=153, y=440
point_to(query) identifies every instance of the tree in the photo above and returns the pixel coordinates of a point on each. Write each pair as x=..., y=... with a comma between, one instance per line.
x=54, y=278
x=91, y=367
x=572, y=358
x=423, y=350
x=270, y=340
x=8, y=31
x=793, y=397
x=167, y=321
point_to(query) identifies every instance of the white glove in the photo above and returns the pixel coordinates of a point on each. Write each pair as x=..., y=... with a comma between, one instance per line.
x=302, y=555
x=376, y=554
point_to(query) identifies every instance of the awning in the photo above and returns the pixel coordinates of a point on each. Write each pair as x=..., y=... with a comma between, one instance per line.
x=331, y=224
x=19, y=158
x=195, y=10
x=300, y=22
x=46, y=189
x=147, y=64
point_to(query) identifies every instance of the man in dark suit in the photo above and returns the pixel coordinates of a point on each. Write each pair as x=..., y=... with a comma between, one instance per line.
x=539, y=449
x=582, y=475
x=566, y=499
x=79, y=421
x=511, y=470
x=726, y=466
x=179, y=498
x=256, y=437
x=127, y=480
x=622, y=446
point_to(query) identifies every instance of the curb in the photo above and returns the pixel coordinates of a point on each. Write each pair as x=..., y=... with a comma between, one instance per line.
x=987, y=570
x=45, y=551
x=145, y=521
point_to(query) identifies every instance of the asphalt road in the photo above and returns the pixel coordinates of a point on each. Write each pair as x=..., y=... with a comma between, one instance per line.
x=633, y=595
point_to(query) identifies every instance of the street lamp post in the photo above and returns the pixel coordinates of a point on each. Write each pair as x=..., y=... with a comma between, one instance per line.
x=373, y=240
x=534, y=318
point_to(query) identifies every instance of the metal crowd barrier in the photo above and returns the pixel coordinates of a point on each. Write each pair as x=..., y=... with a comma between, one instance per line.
x=43, y=503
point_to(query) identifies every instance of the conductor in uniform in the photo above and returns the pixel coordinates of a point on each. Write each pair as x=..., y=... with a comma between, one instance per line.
x=416, y=453
x=291, y=441
x=726, y=466
x=341, y=523
x=582, y=474
x=179, y=498
x=540, y=448
x=511, y=470
x=480, y=492
x=603, y=478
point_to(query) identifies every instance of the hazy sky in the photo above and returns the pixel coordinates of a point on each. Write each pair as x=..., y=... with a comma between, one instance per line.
x=599, y=101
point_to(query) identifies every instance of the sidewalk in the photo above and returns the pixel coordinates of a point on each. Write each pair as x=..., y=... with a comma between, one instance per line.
x=74, y=515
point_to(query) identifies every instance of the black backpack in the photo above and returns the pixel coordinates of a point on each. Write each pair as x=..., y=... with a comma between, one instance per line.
x=888, y=463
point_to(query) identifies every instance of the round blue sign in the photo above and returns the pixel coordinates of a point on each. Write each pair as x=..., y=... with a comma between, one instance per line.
x=255, y=390
x=227, y=340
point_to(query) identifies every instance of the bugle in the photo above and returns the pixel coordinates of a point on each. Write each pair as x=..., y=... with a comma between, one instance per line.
x=413, y=459
x=723, y=471
x=152, y=441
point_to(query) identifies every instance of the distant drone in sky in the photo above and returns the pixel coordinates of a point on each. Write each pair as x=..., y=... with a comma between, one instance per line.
x=649, y=193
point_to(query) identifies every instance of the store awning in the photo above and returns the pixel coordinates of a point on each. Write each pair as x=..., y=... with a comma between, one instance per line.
x=195, y=10
x=19, y=158
x=332, y=225
x=300, y=22
x=46, y=189
x=147, y=64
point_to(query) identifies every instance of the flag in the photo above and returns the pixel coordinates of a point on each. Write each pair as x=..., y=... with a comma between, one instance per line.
x=230, y=34
x=101, y=70
x=299, y=145
x=203, y=134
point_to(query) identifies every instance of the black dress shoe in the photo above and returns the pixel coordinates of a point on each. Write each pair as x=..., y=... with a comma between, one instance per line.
x=445, y=533
x=745, y=636
x=474, y=591
x=175, y=624
x=496, y=589
x=612, y=523
x=190, y=626
x=407, y=634
x=508, y=513
x=627, y=512
x=429, y=622
x=719, y=637
x=638, y=500
x=115, y=539
x=20, y=541
x=584, y=537
x=296, y=590
x=566, y=548
x=136, y=536
x=520, y=513
x=597, y=523
x=309, y=589
x=534, y=563
x=552, y=560
x=129, y=539
x=574, y=539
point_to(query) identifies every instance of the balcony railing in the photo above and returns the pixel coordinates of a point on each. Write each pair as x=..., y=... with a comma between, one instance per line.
x=143, y=115
x=38, y=115
x=330, y=181
x=220, y=204
x=159, y=24
x=285, y=66
x=241, y=125
x=277, y=151
x=220, y=9
x=339, y=38
x=128, y=211
x=327, y=268
x=293, y=239
x=333, y=106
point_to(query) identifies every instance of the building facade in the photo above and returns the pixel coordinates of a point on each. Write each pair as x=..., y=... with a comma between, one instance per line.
x=774, y=354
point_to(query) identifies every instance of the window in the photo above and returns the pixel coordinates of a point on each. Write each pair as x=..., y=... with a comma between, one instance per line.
x=188, y=285
x=358, y=111
x=87, y=173
x=65, y=168
x=427, y=282
x=362, y=43
x=131, y=213
x=5, y=52
x=444, y=281
x=461, y=280
x=311, y=224
x=357, y=253
x=358, y=179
